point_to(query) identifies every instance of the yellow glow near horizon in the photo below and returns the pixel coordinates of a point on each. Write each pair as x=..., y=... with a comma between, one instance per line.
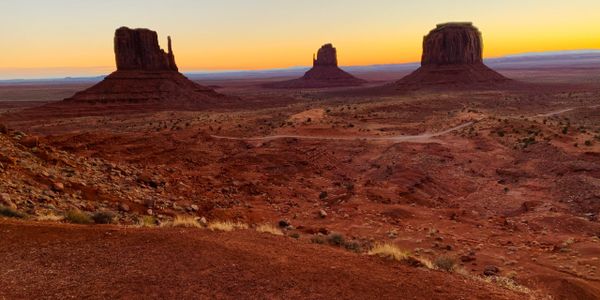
x=262, y=34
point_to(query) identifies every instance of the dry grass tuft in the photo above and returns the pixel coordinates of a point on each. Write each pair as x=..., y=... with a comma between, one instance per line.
x=226, y=226
x=389, y=251
x=78, y=217
x=49, y=218
x=268, y=228
x=185, y=222
x=506, y=283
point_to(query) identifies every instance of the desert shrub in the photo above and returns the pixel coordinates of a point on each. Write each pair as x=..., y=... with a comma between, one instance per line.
x=389, y=251
x=226, y=226
x=336, y=239
x=352, y=246
x=50, y=218
x=445, y=263
x=267, y=228
x=147, y=221
x=11, y=213
x=295, y=235
x=185, y=222
x=317, y=239
x=78, y=217
x=103, y=217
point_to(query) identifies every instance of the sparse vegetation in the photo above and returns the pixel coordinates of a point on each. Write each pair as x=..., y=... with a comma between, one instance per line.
x=226, y=226
x=389, y=251
x=78, y=217
x=147, y=221
x=11, y=213
x=445, y=263
x=103, y=217
x=267, y=228
x=185, y=222
x=50, y=218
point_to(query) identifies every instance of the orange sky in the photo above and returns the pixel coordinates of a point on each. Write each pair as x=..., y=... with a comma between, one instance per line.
x=61, y=37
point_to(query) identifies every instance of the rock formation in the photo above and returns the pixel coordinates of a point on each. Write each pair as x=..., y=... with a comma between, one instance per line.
x=452, y=56
x=146, y=74
x=139, y=50
x=324, y=73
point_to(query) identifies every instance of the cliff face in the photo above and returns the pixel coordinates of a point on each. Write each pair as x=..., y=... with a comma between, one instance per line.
x=326, y=57
x=138, y=49
x=453, y=43
x=324, y=73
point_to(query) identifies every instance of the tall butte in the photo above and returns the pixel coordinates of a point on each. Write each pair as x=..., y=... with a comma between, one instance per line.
x=146, y=74
x=452, y=56
x=324, y=73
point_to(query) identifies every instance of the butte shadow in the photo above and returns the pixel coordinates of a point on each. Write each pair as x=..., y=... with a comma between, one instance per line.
x=325, y=73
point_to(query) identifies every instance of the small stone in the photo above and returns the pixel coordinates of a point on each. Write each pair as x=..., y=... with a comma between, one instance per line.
x=194, y=207
x=58, y=187
x=149, y=212
x=6, y=201
x=284, y=223
x=203, y=221
x=124, y=207
x=322, y=214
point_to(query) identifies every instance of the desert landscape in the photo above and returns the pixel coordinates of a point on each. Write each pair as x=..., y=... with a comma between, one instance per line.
x=455, y=178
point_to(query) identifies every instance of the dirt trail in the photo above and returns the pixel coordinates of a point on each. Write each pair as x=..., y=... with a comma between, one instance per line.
x=55, y=261
x=424, y=137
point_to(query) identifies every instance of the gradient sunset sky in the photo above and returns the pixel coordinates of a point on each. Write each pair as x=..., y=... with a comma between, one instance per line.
x=44, y=38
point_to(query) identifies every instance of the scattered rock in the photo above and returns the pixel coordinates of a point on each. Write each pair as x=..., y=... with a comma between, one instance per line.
x=6, y=201
x=322, y=214
x=30, y=141
x=203, y=221
x=491, y=271
x=58, y=187
x=194, y=207
x=124, y=207
x=284, y=223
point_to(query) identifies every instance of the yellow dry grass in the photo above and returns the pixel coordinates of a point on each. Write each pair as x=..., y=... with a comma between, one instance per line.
x=226, y=226
x=389, y=251
x=49, y=218
x=268, y=228
x=185, y=222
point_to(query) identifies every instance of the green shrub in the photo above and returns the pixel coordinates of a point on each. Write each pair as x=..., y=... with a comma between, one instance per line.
x=336, y=239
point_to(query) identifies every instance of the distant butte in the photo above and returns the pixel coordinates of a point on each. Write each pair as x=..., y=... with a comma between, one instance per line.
x=146, y=74
x=324, y=73
x=452, y=56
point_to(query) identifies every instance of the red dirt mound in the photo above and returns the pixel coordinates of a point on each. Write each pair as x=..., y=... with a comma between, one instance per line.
x=112, y=262
x=325, y=73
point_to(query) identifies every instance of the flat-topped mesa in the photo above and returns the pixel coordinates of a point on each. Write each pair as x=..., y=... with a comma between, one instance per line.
x=325, y=73
x=452, y=57
x=453, y=43
x=326, y=56
x=138, y=49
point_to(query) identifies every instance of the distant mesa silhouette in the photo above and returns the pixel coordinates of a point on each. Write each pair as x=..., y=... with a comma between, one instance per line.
x=452, y=56
x=146, y=74
x=324, y=73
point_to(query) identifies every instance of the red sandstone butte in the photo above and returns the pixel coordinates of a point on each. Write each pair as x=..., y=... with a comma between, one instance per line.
x=324, y=73
x=146, y=74
x=452, y=56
